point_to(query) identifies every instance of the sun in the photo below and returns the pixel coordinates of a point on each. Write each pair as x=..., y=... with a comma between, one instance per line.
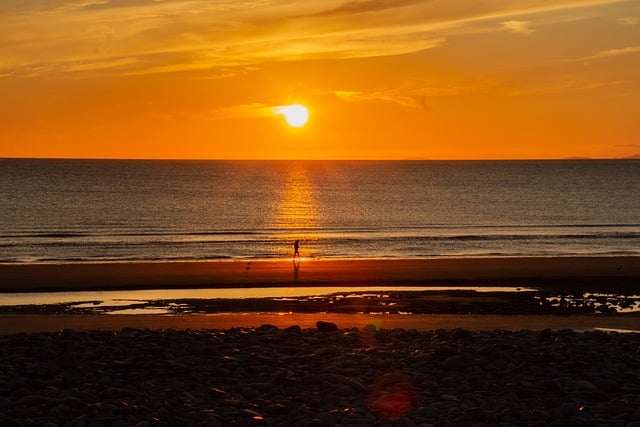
x=295, y=115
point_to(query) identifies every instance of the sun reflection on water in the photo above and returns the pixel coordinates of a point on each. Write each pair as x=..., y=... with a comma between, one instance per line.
x=297, y=213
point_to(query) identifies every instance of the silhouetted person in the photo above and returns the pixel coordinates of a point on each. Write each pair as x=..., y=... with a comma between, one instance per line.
x=296, y=249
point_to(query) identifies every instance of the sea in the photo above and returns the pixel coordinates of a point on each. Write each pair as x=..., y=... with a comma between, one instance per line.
x=62, y=211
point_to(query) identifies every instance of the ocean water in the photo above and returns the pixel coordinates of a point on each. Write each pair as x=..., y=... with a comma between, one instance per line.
x=115, y=210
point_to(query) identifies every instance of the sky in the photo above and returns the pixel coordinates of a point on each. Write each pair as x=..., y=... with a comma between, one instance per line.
x=382, y=79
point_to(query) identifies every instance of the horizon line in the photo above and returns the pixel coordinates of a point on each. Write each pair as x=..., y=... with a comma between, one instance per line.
x=407, y=159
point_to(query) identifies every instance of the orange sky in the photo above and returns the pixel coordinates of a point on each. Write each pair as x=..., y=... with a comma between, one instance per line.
x=383, y=79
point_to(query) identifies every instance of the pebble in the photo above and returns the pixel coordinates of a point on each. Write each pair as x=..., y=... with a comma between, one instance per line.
x=322, y=377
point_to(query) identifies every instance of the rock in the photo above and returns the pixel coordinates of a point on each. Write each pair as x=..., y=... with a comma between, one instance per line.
x=429, y=412
x=32, y=400
x=327, y=420
x=390, y=379
x=293, y=329
x=583, y=385
x=266, y=328
x=80, y=421
x=276, y=409
x=357, y=385
x=462, y=334
x=443, y=351
x=458, y=362
x=326, y=326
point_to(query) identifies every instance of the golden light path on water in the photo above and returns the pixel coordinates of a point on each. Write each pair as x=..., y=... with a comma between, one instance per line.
x=296, y=211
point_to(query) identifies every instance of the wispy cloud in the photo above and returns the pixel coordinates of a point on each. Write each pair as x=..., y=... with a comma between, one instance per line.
x=382, y=96
x=413, y=94
x=628, y=21
x=181, y=35
x=101, y=65
x=519, y=27
x=366, y=6
x=561, y=85
x=615, y=52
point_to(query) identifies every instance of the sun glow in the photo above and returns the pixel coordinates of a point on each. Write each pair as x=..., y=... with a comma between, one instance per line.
x=295, y=115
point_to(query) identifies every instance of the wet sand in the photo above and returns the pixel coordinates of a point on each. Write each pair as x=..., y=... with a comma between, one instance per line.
x=561, y=272
x=608, y=274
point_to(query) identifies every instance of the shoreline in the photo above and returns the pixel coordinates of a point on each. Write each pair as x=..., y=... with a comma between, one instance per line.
x=11, y=324
x=622, y=272
x=549, y=274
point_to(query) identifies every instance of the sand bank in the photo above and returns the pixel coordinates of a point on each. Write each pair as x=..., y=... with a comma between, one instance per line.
x=48, y=323
x=532, y=271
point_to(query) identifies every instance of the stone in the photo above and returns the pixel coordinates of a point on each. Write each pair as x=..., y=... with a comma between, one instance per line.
x=327, y=419
x=443, y=351
x=80, y=421
x=266, y=328
x=326, y=326
x=583, y=385
x=458, y=362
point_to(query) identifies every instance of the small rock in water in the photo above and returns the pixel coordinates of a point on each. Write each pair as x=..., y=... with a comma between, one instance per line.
x=326, y=326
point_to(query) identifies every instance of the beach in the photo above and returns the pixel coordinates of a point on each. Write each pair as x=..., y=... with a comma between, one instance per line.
x=320, y=376
x=560, y=272
x=326, y=368
x=550, y=276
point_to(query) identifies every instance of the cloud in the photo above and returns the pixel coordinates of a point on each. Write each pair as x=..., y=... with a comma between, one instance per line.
x=185, y=35
x=30, y=6
x=356, y=7
x=356, y=96
x=518, y=27
x=411, y=94
x=561, y=84
x=101, y=65
x=632, y=20
x=615, y=52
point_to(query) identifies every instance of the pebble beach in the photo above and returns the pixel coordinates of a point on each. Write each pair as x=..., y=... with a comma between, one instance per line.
x=466, y=360
x=322, y=376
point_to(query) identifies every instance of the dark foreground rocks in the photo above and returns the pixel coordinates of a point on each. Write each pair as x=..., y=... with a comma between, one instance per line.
x=294, y=377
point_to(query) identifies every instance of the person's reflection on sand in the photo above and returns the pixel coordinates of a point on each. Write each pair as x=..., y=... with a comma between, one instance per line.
x=296, y=268
x=296, y=259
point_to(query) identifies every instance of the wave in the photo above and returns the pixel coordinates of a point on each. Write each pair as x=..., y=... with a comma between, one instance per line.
x=266, y=256
x=166, y=240
x=126, y=234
